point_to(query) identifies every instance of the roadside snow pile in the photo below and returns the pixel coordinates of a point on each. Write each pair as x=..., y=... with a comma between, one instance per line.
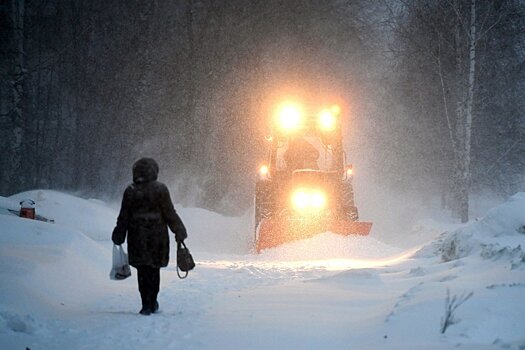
x=498, y=234
x=327, y=292
x=48, y=265
x=213, y=233
x=56, y=264
x=91, y=216
x=8, y=206
x=331, y=246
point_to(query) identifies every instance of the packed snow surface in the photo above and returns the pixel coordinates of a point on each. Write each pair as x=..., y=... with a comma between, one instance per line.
x=327, y=292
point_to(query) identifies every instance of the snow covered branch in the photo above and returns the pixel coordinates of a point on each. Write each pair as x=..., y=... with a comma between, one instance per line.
x=451, y=305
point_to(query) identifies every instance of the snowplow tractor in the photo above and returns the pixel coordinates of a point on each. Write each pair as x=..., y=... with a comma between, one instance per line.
x=305, y=187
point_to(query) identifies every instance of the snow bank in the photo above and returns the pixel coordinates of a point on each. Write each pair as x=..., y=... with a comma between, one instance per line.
x=8, y=204
x=214, y=233
x=91, y=216
x=208, y=231
x=328, y=291
x=48, y=266
x=497, y=234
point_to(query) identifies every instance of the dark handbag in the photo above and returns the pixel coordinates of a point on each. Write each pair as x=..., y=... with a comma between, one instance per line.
x=185, y=261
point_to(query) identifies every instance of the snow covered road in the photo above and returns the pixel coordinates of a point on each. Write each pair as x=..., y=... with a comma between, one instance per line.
x=327, y=292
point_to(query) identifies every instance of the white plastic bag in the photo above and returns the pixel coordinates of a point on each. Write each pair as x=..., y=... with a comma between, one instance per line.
x=120, y=269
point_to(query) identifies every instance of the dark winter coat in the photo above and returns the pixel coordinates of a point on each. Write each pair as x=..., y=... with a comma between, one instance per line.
x=145, y=215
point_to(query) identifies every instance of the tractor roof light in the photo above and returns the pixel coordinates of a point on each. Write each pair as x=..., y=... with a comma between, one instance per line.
x=327, y=120
x=289, y=117
x=335, y=109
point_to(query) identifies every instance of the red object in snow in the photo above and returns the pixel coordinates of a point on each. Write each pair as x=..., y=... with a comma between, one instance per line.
x=27, y=209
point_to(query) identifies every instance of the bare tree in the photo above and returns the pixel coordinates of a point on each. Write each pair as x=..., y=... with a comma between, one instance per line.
x=448, y=35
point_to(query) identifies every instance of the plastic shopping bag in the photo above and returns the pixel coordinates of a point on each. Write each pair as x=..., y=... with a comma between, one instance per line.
x=120, y=269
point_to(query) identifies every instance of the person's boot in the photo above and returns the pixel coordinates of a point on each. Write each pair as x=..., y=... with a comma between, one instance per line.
x=145, y=311
x=155, y=307
x=146, y=307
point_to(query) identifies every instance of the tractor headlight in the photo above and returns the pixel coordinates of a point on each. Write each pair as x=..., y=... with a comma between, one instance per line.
x=327, y=120
x=336, y=110
x=306, y=200
x=349, y=171
x=300, y=199
x=317, y=200
x=289, y=117
x=264, y=171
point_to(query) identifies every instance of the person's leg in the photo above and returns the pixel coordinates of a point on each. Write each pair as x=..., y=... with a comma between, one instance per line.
x=143, y=277
x=155, y=286
x=149, y=285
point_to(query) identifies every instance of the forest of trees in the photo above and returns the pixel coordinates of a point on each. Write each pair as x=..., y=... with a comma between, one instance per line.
x=434, y=92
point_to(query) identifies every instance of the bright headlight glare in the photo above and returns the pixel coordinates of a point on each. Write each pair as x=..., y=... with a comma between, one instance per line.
x=308, y=200
x=300, y=199
x=327, y=120
x=289, y=117
x=317, y=200
x=263, y=170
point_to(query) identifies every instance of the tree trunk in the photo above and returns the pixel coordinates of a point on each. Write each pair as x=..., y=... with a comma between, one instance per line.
x=17, y=86
x=465, y=166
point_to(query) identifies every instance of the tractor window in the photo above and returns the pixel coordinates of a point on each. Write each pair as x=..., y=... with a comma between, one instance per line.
x=304, y=152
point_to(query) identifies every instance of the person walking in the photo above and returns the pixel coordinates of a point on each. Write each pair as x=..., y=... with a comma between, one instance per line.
x=145, y=215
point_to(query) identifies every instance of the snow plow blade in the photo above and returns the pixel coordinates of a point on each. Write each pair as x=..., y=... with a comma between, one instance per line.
x=272, y=233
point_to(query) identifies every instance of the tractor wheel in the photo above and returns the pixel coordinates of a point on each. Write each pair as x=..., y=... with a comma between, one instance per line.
x=348, y=204
x=352, y=214
x=263, y=201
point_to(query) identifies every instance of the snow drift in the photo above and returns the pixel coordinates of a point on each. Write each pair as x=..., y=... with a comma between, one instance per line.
x=497, y=234
x=327, y=292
